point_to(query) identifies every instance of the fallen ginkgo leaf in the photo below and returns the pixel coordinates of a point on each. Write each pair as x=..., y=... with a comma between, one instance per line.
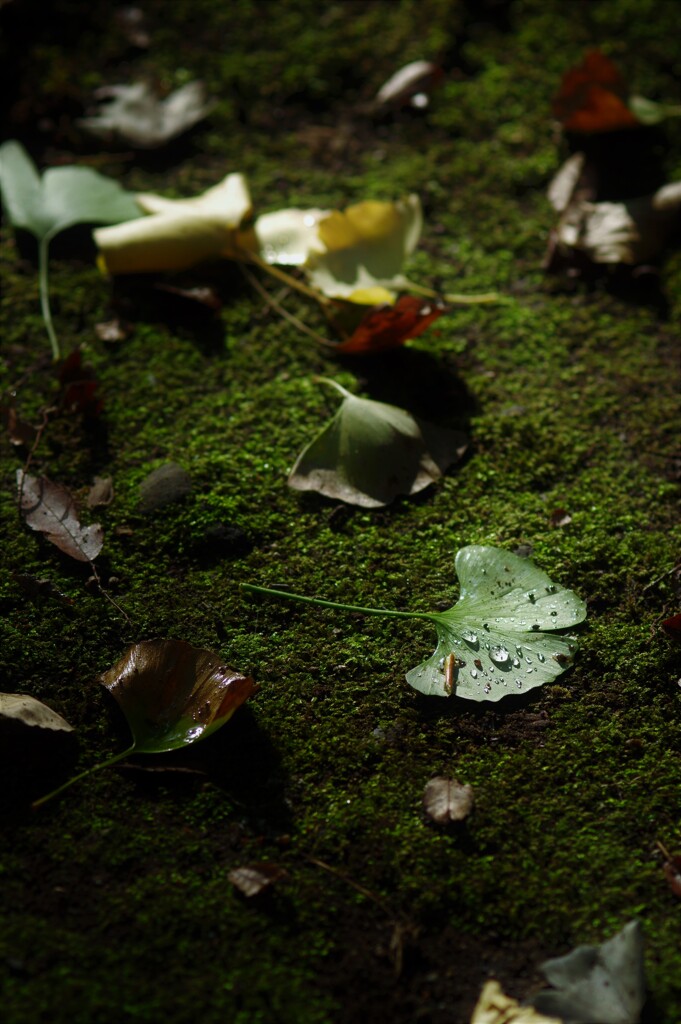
x=494, y=1007
x=370, y=452
x=603, y=983
x=137, y=115
x=178, y=233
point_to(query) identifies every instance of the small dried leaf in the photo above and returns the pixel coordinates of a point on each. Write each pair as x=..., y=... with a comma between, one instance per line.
x=143, y=120
x=20, y=432
x=79, y=387
x=389, y=326
x=101, y=492
x=173, y=694
x=494, y=1007
x=446, y=800
x=113, y=331
x=672, y=627
x=49, y=508
x=253, y=879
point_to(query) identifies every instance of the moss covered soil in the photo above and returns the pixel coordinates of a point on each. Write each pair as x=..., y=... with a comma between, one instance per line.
x=116, y=903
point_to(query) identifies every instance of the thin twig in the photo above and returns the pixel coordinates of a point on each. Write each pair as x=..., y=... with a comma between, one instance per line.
x=275, y=304
x=105, y=593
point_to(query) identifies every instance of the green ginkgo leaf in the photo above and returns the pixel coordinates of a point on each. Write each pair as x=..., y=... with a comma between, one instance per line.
x=370, y=452
x=495, y=640
x=491, y=642
x=62, y=198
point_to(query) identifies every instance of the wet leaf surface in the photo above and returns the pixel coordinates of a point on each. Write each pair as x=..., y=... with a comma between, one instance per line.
x=490, y=642
x=173, y=694
x=49, y=509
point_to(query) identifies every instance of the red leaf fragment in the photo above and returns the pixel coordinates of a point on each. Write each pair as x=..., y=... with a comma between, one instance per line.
x=560, y=517
x=49, y=508
x=253, y=879
x=593, y=97
x=672, y=627
x=385, y=327
x=79, y=387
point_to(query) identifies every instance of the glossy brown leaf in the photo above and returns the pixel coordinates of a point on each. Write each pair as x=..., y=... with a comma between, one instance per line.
x=173, y=694
x=593, y=97
x=49, y=508
x=385, y=327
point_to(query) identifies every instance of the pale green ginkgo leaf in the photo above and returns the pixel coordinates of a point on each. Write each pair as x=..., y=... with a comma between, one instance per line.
x=62, y=198
x=597, y=984
x=490, y=643
x=370, y=452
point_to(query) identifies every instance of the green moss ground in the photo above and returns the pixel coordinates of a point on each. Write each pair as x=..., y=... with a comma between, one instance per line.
x=116, y=905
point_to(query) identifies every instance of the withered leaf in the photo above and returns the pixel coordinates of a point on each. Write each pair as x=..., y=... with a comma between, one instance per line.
x=173, y=694
x=446, y=800
x=113, y=331
x=101, y=492
x=389, y=326
x=253, y=879
x=20, y=432
x=79, y=386
x=672, y=627
x=409, y=85
x=49, y=508
x=32, y=713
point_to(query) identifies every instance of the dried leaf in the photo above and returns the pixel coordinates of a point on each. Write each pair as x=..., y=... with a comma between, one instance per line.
x=179, y=232
x=560, y=517
x=446, y=800
x=20, y=432
x=593, y=97
x=253, y=879
x=410, y=85
x=49, y=508
x=137, y=115
x=386, y=327
x=113, y=331
x=603, y=983
x=173, y=694
x=31, y=713
x=631, y=233
x=101, y=492
x=494, y=1007
x=370, y=452
x=79, y=387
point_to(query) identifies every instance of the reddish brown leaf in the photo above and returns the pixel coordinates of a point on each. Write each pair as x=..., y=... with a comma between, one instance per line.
x=672, y=627
x=49, y=508
x=20, y=432
x=385, y=327
x=79, y=387
x=254, y=879
x=593, y=97
x=560, y=517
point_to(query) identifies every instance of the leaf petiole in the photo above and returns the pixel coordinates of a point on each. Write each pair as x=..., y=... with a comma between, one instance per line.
x=76, y=778
x=43, y=259
x=385, y=612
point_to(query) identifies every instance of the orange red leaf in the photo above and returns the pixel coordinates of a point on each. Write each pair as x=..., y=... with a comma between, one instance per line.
x=385, y=327
x=593, y=97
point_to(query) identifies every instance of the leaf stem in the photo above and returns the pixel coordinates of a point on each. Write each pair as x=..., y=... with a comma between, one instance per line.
x=455, y=297
x=249, y=256
x=43, y=259
x=88, y=771
x=386, y=612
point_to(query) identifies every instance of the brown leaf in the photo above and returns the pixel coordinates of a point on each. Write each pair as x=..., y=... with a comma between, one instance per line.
x=173, y=694
x=32, y=713
x=20, y=432
x=385, y=327
x=79, y=387
x=254, y=879
x=446, y=800
x=672, y=627
x=49, y=508
x=101, y=492
x=593, y=97
x=560, y=517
